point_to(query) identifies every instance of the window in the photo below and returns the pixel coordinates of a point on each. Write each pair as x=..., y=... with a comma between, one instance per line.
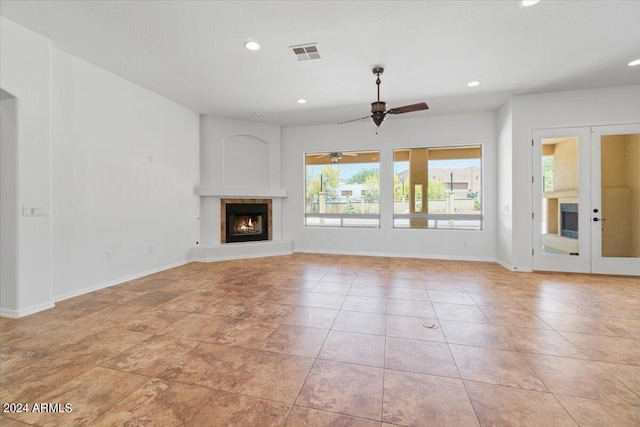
x=438, y=187
x=342, y=189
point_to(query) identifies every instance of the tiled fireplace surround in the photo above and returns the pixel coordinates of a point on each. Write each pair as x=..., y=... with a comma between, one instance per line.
x=223, y=215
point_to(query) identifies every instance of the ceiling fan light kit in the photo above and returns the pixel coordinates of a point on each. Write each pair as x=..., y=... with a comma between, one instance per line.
x=379, y=108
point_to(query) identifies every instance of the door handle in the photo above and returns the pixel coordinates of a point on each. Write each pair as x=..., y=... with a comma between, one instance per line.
x=598, y=219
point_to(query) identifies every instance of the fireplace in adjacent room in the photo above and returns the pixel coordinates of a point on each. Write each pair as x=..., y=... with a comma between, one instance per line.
x=245, y=220
x=569, y=220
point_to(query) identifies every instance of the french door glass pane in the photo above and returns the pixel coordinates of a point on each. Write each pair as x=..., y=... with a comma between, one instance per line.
x=620, y=190
x=560, y=233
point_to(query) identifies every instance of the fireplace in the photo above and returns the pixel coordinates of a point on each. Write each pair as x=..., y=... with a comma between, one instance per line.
x=569, y=220
x=245, y=220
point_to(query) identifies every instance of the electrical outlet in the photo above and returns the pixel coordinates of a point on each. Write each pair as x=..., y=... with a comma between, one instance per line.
x=109, y=256
x=464, y=243
x=151, y=248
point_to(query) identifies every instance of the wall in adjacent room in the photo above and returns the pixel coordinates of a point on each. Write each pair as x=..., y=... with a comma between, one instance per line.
x=124, y=164
x=397, y=132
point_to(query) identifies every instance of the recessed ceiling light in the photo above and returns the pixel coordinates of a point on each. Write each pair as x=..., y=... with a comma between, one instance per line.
x=527, y=3
x=251, y=45
x=301, y=101
x=634, y=63
x=257, y=113
x=474, y=83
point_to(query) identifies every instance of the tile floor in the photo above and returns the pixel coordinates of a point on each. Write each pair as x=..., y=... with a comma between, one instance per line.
x=323, y=340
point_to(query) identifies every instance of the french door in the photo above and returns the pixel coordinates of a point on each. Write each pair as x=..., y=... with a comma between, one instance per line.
x=586, y=206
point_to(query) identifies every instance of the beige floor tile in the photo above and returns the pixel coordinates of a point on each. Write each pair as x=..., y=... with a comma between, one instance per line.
x=237, y=410
x=540, y=342
x=154, y=321
x=320, y=300
x=606, y=349
x=366, y=290
x=401, y=307
x=365, y=304
x=247, y=335
x=594, y=413
x=153, y=298
x=151, y=356
x=585, y=324
x=628, y=375
x=423, y=357
x=514, y=318
x=355, y=321
x=295, y=340
x=460, y=313
x=332, y=288
x=221, y=329
x=300, y=416
x=90, y=394
x=511, y=407
x=343, y=388
x=450, y=297
x=408, y=294
x=495, y=367
x=313, y=317
x=474, y=334
x=419, y=328
x=581, y=378
x=412, y=399
x=29, y=380
x=158, y=403
x=350, y=347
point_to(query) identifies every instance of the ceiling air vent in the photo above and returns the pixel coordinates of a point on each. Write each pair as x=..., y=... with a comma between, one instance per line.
x=305, y=52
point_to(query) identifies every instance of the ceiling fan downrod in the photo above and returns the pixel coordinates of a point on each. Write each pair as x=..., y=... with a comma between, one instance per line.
x=378, y=108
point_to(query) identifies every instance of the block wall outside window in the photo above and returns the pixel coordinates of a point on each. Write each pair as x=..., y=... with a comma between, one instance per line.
x=438, y=187
x=342, y=189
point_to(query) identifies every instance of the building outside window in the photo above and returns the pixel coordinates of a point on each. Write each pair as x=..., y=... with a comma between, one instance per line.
x=342, y=189
x=438, y=187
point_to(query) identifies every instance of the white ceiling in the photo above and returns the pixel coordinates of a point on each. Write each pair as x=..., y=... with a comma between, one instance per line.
x=192, y=51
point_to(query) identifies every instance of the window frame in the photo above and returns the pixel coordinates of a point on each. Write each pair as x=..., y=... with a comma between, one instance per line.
x=440, y=217
x=343, y=217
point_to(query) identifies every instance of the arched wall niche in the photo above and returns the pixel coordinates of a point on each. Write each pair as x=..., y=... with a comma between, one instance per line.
x=246, y=161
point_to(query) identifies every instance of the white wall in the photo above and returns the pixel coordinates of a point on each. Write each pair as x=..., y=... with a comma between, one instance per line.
x=124, y=164
x=556, y=110
x=25, y=73
x=504, y=231
x=8, y=202
x=222, y=164
x=395, y=133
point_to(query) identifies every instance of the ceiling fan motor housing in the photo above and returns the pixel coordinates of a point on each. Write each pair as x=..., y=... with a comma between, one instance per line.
x=378, y=112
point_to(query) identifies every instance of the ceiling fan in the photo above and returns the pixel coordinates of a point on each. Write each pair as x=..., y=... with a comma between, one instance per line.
x=336, y=156
x=378, y=108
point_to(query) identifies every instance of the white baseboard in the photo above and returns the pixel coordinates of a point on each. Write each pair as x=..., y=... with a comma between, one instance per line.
x=118, y=281
x=399, y=255
x=14, y=314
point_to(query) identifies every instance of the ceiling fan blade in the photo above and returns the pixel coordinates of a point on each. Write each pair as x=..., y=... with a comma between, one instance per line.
x=322, y=155
x=355, y=120
x=409, y=108
x=350, y=154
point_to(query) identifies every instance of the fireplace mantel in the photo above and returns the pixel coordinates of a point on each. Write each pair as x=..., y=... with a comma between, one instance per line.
x=215, y=191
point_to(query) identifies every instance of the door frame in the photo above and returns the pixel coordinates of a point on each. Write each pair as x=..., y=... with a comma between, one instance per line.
x=600, y=264
x=542, y=261
x=590, y=258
